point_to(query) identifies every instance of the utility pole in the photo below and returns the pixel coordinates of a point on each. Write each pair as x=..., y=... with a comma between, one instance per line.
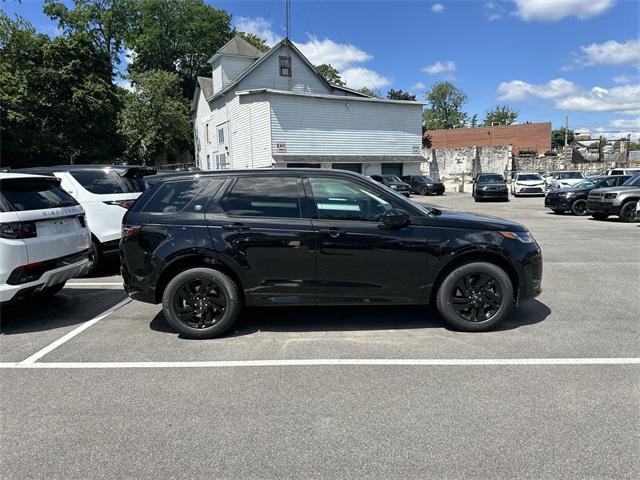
x=566, y=136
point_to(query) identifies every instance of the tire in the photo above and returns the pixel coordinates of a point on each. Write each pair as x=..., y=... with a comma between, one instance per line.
x=95, y=258
x=628, y=211
x=464, y=314
x=557, y=211
x=476, y=199
x=209, y=315
x=579, y=207
x=600, y=216
x=423, y=191
x=52, y=290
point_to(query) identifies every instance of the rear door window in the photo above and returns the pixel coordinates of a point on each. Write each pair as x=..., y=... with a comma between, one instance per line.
x=103, y=182
x=172, y=197
x=264, y=197
x=34, y=194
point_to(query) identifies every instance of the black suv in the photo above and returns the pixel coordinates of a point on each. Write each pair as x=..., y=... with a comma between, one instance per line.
x=423, y=185
x=208, y=244
x=394, y=183
x=575, y=198
x=490, y=186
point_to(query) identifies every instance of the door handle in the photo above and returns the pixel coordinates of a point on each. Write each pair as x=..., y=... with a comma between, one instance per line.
x=333, y=232
x=236, y=227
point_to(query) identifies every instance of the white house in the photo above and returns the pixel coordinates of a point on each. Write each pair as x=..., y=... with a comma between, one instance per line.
x=272, y=109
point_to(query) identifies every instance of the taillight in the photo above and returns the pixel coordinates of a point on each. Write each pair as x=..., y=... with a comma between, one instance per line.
x=121, y=203
x=130, y=231
x=16, y=230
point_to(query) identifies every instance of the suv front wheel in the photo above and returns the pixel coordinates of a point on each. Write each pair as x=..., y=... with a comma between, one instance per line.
x=475, y=297
x=201, y=303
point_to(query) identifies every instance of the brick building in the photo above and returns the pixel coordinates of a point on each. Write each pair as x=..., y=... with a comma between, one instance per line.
x=526, y=137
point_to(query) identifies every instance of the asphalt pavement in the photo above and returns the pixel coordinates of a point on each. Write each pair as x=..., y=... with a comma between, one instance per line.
x=552, y=393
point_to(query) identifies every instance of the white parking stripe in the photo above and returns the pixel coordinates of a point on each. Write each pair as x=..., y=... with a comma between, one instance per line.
x=428, y=362
x=52, y=346
x=93, y=284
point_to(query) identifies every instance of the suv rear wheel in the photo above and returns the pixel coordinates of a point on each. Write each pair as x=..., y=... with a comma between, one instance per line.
x=628, y=211
x=201, y=303
x=475, y=297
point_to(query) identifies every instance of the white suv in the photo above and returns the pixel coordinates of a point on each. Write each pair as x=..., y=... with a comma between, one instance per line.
x=43, y=237
x=564, y=179
x=105, y=193
x=527, y=183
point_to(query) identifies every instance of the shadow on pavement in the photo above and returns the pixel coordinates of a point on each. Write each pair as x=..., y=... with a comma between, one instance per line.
x=69, y=307
x=316, y=319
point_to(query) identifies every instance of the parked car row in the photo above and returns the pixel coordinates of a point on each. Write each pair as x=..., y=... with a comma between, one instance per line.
x=417, y=184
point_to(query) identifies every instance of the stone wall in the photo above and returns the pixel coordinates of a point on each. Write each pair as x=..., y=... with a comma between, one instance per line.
x=455, y=162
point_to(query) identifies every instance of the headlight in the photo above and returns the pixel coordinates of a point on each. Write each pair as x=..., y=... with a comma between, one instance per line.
x=610, y=195
x=395, y=187
x=524, y=237
x=569, y=194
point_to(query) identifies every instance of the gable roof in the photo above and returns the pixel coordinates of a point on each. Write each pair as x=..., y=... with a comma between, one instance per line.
x=237, y=46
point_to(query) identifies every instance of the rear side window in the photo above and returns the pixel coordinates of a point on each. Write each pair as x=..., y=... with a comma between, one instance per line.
x=103, y=182
x=173, y=197
x=264, y=197
x=34, y=194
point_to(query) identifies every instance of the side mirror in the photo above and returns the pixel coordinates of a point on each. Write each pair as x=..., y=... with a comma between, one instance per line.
x=395, y=218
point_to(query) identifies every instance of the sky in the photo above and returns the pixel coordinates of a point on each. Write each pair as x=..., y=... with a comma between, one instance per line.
x=545, y=58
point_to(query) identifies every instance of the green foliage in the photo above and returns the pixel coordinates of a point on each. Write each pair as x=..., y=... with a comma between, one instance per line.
x=155, y=119
x=255, y=40
x=177, y=36
x=445, y=107
x=368, y=91
x=58, y=101
x=502, y=115
x=330, y=74
x=557, y=138
x=106, y=22
x=634, y=146
x=400, y=95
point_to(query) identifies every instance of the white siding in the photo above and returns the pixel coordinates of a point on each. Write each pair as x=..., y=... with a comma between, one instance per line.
x=232, y=67
x=202, y=112
x=303, y=79
x=316, y=126
x=217, y=76
x=250, y=132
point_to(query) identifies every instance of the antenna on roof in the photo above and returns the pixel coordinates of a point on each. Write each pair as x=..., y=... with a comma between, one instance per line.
x=287, y=18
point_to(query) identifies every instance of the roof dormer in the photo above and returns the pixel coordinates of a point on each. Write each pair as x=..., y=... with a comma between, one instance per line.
x=231, y=60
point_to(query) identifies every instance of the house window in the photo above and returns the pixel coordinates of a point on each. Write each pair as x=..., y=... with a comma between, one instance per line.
x=221, y=136
x=285, y=66
x=221, y=161
x=206, y=133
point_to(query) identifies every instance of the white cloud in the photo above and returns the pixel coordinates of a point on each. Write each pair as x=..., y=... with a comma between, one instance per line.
x=494, y=11
x=440, y=67
x=418, y=86
x=437, y=8
x=554, y=10
x=609, y=53
x=339, y=55
x=633, y=123
x=358, y=77
x=622, y=79
x=624, y=99
x=258, y=26
x=517, y=90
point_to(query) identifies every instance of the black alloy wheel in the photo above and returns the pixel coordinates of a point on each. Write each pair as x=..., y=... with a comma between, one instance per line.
x=579, y=207
x=628, y=211
x=476, y=297
x=201, y=303
x=423, y=191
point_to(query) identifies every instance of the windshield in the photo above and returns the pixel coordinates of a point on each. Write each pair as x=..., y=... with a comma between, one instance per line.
x=391, y=178
x=490, y=179
x=585, y=184
x=529, y=176
x=632, y=182
x=570, y=175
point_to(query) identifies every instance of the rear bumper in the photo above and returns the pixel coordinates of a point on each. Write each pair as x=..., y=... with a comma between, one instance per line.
x=62, y=269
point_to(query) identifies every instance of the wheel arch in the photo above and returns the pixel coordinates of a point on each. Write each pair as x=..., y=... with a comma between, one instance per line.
x=477, y=256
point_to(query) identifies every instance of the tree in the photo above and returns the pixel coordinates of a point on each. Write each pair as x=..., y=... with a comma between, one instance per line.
x=330, y=74
x=255, y=40
x=155, y=119
x=445, y=107
x=105, y=21
x=177, y=36
x=58, y=102
x=557, y=138
x=501, y=115
x=368, y=91
x=400, y=95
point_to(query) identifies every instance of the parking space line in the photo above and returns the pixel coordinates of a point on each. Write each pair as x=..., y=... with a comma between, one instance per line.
x=428, y=362
x=93, y=284
x=52, y=346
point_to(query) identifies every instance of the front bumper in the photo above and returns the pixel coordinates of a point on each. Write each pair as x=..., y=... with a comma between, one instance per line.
x=531, y=283
x=63, y=271
x=492, y=193
x=557, y=202
x=603, y=207
x=538, y=190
